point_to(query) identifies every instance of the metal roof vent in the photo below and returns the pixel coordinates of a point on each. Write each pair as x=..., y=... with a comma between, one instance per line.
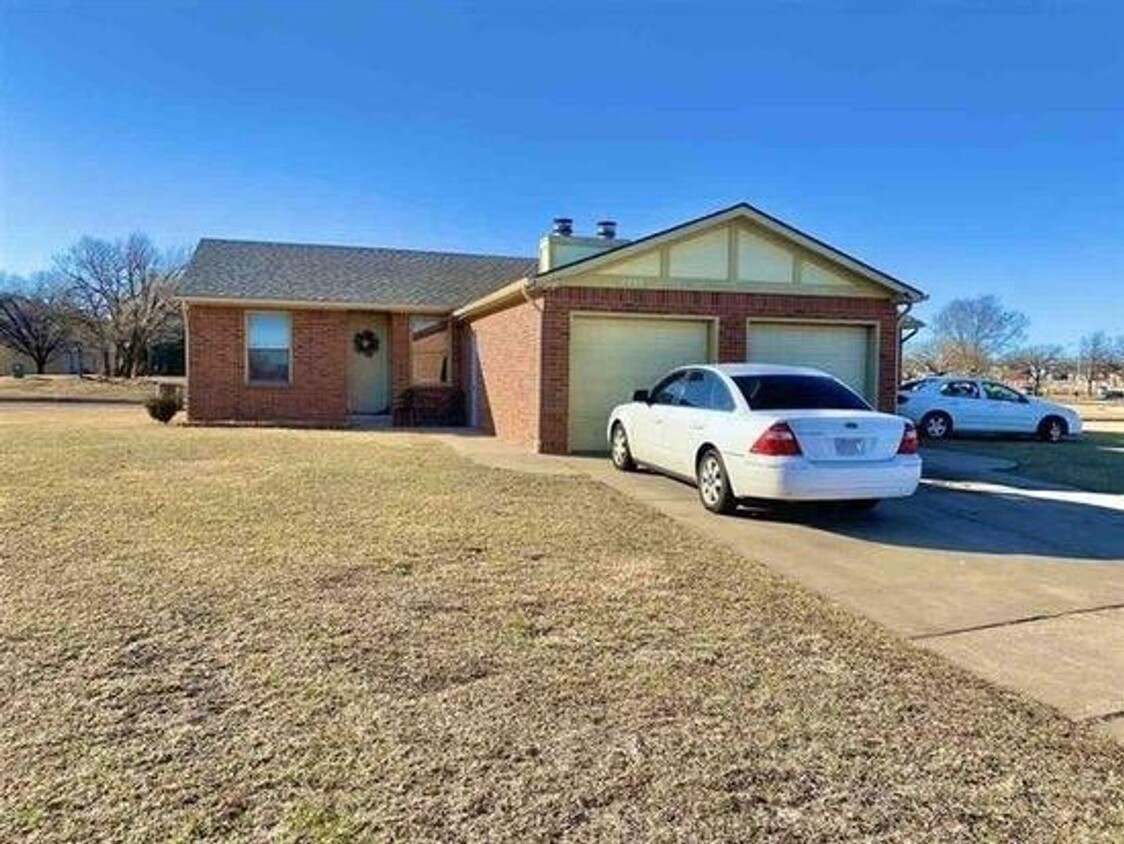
x=563, y=226
x=607, y=229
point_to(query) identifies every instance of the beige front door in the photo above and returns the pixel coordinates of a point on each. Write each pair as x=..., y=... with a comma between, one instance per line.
x=368, y=373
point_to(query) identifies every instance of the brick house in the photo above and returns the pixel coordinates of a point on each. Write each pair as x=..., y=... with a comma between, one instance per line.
x=535, y=351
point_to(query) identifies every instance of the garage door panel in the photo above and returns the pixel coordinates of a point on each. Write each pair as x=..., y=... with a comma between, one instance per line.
x=843, y=350
x=611, y=357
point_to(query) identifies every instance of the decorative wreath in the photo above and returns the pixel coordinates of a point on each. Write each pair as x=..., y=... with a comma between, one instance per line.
x=367, y=343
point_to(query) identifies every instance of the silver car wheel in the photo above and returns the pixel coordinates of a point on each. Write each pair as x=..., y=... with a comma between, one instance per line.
x=712, y=483
x=1052, y=430
x=619, y=451
x=936, y=426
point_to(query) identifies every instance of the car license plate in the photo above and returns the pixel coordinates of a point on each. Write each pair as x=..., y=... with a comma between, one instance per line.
x=850, y=446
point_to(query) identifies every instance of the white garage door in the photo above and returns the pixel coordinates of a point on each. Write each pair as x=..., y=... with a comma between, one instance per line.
x=843, y=350
x=610, y=357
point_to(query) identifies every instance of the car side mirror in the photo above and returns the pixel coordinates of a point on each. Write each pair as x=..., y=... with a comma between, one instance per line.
x=640, y=395
x=1024, y=400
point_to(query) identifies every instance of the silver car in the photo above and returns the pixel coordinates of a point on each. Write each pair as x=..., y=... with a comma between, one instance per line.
x=941, y=406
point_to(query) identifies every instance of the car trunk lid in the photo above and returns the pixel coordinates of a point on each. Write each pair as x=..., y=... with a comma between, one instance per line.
x=846, y=435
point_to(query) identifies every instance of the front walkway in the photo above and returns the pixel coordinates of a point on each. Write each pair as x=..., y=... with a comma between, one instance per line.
x=1024, y=587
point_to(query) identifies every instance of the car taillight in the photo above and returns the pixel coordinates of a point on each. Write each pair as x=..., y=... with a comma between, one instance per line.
x=908, y=444
x=776, y=441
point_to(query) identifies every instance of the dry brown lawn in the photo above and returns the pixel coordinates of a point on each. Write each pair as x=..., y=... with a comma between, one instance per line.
x=330, y=636
x=1096, y=411
x=82, y=387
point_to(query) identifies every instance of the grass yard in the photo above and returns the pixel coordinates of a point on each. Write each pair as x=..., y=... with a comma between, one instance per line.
x=85, y=387
x=1095, y=462
x=1099, y=411
x=247, y=634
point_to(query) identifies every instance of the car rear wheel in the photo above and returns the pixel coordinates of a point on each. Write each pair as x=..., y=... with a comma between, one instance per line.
x=619, y=451
x=936, y=426
x=714, y=483
x=1052, y=429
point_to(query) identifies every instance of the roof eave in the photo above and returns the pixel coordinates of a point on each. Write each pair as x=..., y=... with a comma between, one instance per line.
x=310, y=304
x=509, y=292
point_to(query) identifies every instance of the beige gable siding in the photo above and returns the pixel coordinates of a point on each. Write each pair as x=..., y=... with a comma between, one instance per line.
x=763, y=260
x=704, y=257
x=645, y=266
x=815, y=274
x=737, y=257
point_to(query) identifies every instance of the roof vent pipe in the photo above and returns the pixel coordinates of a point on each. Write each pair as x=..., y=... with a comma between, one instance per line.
x=607, y=229
x=563, y=226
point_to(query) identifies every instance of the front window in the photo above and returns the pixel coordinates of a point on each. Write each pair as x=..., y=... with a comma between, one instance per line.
x=669, y=389
x=268, y=347
x=706, y=391
x=1000, y=392
x=961, y=390
x=797, y=392
x=429, y=350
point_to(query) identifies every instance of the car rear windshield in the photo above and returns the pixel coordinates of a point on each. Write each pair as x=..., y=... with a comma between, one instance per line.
x=915, y=385
x=797, y=392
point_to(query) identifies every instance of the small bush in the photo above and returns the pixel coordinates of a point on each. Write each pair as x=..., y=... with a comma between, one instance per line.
x=162, y=408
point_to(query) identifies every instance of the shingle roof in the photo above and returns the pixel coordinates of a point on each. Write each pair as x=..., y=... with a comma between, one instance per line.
x=239, y=269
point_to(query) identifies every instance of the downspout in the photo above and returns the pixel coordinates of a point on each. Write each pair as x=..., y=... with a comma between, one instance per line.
x=527, y=297
x=538, y=385
x=186, y=357
x=902, y=314
x=903, y=310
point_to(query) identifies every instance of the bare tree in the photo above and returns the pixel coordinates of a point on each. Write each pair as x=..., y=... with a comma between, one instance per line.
x=922, y=357
x=973, y=333
x=1098, y=357
x=1036, y=362
x=124, y=290
x=35, y=322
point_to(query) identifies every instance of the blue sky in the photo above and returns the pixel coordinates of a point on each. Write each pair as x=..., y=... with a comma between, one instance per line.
x=968, y=148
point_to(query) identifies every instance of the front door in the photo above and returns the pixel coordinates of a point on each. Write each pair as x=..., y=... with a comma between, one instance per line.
x=368, y=349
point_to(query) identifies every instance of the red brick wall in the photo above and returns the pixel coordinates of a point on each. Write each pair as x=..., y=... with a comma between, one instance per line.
x=507, y=371
x=216, y=377
x=733, y=309
x=399, y=354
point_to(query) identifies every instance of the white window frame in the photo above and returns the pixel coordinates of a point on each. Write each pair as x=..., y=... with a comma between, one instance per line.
x=247, y=318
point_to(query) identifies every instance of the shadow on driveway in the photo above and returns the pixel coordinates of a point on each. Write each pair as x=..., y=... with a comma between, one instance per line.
x=1010, y=521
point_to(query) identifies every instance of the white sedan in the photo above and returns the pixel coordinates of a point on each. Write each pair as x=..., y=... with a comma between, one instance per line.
x=942, y=405
x=759, y=431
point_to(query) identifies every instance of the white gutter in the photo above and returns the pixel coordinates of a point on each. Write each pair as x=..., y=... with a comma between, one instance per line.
x=508, y=291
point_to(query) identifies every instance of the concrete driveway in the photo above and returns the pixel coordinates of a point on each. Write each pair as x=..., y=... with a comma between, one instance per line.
x=1023, y=586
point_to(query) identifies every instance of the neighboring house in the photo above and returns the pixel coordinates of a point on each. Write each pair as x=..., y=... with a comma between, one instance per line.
x=542, y=349
x=69, y=361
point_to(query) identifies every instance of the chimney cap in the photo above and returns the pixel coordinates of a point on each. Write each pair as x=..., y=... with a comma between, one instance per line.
x=607, y=229
x=564, y=225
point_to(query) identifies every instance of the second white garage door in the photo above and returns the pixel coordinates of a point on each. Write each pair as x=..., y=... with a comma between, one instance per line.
x=843, y=350
x=610, y=357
